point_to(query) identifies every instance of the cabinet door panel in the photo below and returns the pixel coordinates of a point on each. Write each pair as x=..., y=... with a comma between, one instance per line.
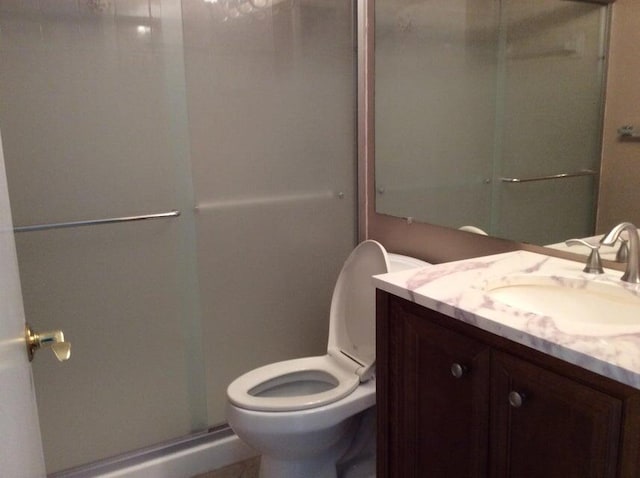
x=562, y=429
x=445, y=418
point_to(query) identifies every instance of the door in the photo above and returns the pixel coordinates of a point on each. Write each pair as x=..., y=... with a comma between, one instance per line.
x=547, y=425
x=20, y=444
x=438, y=399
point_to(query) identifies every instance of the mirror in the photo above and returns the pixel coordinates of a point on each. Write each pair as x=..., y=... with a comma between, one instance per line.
x=489, y=114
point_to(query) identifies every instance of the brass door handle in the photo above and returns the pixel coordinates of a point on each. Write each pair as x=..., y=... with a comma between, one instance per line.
x=53, y=339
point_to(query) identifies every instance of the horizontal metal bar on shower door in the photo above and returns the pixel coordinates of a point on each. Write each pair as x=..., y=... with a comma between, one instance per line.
x=585, y=172
x=94, y=222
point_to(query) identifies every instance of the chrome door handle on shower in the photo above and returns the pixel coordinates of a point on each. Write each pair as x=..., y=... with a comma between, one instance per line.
x=584, y=172
x=94, y=222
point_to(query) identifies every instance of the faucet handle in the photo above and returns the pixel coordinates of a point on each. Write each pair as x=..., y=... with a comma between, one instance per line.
x=594, y=264
x=623, y=251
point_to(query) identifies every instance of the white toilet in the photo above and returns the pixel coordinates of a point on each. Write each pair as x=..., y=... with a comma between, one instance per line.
x=302, y=414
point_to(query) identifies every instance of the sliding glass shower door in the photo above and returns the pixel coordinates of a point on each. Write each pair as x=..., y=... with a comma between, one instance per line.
x=271, y=98
x=93, y=114
x=239, y=115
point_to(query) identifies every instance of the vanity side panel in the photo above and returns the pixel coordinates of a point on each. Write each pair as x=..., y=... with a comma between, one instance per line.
x=382, y=388
x=394, y=406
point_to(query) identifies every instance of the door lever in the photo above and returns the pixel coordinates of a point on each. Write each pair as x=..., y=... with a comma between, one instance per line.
x=53, y=339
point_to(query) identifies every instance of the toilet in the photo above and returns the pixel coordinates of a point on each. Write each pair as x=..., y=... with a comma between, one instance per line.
x=301, y=415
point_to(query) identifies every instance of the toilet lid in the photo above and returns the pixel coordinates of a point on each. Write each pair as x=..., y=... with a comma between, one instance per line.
x=352, y=329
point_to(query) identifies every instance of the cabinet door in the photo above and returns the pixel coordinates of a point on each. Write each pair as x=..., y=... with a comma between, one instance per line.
x=438, y=400
x=547, y=425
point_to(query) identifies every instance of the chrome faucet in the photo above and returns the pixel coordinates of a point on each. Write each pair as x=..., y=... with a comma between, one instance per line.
x=633, y=260
x=594, y=263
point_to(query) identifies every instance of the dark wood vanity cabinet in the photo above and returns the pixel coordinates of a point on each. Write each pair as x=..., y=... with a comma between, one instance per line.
x=427, y=405
x=457, y=402
x=547, y=425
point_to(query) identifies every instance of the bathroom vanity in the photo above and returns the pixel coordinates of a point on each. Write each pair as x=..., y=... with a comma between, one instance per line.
x=471, y=386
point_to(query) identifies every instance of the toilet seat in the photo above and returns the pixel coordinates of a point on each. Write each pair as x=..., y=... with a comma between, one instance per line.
x=291, y=385
x=315, y=381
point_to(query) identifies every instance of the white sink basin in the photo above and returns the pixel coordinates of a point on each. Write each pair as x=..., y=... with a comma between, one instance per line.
x=577, y=305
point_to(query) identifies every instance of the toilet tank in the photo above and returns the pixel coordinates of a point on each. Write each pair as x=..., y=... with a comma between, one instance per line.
x=398, y=262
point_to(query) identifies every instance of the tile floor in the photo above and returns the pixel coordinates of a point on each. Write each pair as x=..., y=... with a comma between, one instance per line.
x=243, y=469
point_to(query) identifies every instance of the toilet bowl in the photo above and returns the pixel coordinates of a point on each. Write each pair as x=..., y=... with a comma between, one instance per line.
x=302, y=414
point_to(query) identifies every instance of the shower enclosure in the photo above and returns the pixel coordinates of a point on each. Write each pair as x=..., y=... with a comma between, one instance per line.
x=489, y=113
x=237, y=119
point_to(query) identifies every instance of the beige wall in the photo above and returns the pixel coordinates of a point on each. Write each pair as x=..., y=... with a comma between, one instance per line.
x=620, y=181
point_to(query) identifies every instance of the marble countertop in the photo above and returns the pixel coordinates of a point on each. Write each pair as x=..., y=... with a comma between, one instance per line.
x=457, y=289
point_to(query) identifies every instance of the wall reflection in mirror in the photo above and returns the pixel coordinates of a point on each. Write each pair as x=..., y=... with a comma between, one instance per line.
x=489, y=113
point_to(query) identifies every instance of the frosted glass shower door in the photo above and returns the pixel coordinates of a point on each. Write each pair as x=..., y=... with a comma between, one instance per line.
x=271, y=95
x=93, y=114
x=549, y=119
x=239, y=114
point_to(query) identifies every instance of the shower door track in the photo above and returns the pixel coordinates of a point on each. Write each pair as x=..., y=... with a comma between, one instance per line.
x=137, y=457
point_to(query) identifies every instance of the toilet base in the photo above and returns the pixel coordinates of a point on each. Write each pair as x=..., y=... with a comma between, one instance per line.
x=360, y=459
x=274, y=468
x=321, y=465
x=316, y=443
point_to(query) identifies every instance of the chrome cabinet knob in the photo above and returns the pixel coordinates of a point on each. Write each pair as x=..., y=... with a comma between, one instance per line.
x=458, y=370
x=516, y=399
x=53, y=339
